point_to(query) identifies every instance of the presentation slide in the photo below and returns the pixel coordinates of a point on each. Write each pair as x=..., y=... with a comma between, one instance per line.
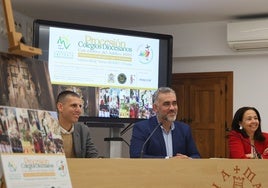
x=87, y=58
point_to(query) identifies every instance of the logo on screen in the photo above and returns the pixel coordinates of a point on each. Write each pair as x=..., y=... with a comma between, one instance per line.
x=145, y=53
x=122, y=78
x=63, y=43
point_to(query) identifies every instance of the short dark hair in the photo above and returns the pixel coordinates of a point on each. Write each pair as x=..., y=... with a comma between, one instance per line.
x=62, y=95
x=239, y=117
x=160, y=91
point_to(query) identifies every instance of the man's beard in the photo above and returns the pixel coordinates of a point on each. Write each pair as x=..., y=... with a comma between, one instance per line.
x=170, y=118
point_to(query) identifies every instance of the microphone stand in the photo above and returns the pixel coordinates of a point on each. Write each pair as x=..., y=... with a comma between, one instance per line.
x=146, y=141
x=253, y=146
x=257, y=153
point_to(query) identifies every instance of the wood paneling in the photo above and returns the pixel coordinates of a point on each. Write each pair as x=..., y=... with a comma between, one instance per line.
x=205, y=103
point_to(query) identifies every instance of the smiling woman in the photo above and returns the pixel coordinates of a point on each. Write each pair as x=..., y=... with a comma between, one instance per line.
x=246, y=140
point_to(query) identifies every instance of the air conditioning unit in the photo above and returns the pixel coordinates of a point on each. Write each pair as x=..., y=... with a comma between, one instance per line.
x=248, y=35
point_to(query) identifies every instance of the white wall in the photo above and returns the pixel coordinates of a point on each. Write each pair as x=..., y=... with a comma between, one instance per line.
x=202, y=47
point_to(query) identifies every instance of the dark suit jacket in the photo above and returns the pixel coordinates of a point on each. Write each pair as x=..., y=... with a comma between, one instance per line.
x=83, y=145
x=155, y=148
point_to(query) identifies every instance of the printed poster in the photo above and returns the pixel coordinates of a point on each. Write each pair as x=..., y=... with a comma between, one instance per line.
x=35, y=170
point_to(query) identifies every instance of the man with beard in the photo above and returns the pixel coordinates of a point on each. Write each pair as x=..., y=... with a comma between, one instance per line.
x=161, y=136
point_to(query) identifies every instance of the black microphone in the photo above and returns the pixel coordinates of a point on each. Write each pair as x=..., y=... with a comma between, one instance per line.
x=257, y=153
x=146, y=141
x=253, y=146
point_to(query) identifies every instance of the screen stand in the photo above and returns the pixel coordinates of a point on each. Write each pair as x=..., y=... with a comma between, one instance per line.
x=129, y=126
x=115, y=143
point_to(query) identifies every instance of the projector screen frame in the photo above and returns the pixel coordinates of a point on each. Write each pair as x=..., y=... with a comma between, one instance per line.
x=164, y=69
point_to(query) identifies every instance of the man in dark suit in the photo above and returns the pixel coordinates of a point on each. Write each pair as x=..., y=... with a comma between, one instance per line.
x=77, y=142
x=161, y=136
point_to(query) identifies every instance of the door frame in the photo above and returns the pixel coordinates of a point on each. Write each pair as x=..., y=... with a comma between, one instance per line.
x=228, y=76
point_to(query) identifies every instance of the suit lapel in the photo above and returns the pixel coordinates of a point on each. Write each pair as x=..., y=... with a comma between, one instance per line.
x=77, y=143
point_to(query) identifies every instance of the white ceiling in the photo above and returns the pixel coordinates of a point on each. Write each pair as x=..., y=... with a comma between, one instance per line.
x=135, y=13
